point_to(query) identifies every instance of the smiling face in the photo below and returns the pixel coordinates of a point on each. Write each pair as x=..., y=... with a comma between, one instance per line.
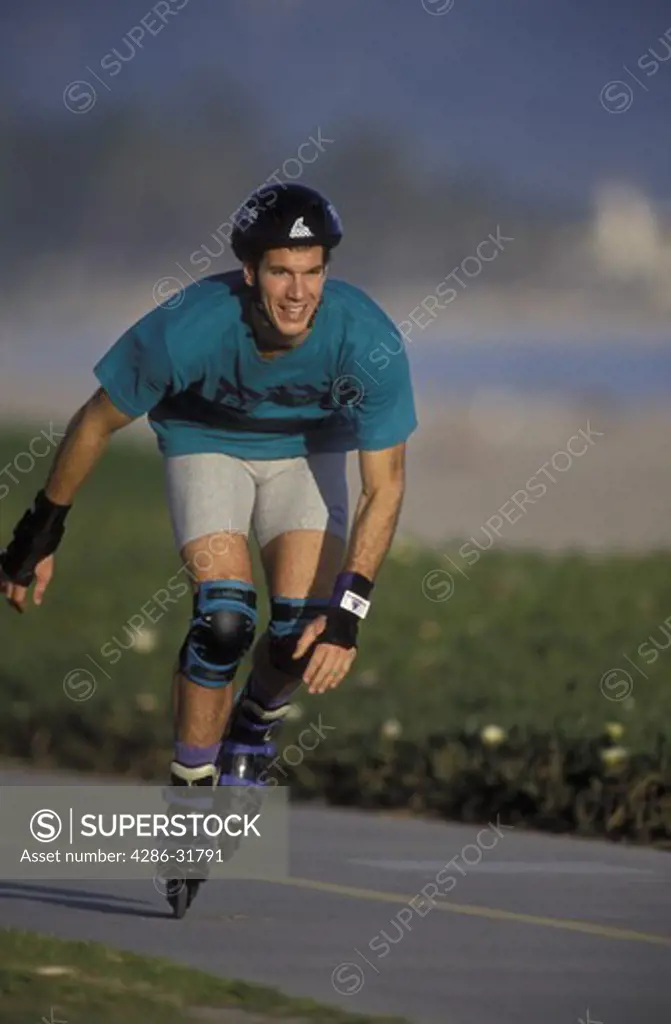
x=290, y=282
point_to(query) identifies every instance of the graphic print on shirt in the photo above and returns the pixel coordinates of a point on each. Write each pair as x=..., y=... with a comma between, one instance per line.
x=244, y=399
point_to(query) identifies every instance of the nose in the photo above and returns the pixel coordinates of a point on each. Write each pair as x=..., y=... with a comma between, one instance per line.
x=296, y=288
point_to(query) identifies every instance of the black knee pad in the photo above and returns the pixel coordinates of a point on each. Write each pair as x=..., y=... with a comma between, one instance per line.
x=221, y=632
x=289, y=617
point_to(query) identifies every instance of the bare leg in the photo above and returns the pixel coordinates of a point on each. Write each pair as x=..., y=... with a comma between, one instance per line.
x=303, y=563
x=298, y=564
x=202, y=712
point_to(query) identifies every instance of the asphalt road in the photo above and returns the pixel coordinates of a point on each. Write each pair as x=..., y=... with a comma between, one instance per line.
x=534, y=928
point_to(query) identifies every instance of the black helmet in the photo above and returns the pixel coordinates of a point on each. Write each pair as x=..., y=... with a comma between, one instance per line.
x=278, y=217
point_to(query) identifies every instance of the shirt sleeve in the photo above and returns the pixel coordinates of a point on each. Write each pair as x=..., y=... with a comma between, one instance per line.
x=384, y=415
x=136, y=372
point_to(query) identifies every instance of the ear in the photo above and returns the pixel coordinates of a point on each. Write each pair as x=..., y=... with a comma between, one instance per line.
x=248, y=271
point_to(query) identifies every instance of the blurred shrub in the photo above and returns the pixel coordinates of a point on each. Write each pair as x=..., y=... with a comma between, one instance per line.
x=493, y=701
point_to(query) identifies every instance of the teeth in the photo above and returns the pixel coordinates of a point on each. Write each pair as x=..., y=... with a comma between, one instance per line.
x=294, y=312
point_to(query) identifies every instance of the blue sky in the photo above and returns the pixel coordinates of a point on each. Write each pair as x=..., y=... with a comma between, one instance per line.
x=508, y=88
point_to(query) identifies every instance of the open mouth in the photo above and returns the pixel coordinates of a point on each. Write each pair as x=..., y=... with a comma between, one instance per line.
x=294, y=314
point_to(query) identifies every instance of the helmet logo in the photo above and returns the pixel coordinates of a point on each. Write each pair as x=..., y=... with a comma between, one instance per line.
x=300, y=229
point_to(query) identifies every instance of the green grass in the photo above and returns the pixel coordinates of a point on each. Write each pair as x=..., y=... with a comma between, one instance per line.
x=522, y=643
x=101, y=985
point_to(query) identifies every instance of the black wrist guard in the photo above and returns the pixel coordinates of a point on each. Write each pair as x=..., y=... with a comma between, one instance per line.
x=37, y=534
x=348, y=606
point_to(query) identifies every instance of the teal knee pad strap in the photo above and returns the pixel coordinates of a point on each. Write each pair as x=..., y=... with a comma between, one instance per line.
x=289, y=617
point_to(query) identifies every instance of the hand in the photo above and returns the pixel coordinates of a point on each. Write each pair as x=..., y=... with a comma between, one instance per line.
x=16, y=595
x=329, y=663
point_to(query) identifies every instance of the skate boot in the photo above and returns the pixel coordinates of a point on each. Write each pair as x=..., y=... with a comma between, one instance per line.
x=187, y=868
x=245, y=756
x=247, y=750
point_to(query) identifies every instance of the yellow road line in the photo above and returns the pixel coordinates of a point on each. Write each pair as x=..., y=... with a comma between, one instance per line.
x=492, y=913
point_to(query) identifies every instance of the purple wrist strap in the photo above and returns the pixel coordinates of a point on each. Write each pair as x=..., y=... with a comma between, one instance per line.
x=353, y=581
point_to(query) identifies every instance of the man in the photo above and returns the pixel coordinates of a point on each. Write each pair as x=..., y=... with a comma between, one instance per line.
x=254, y=386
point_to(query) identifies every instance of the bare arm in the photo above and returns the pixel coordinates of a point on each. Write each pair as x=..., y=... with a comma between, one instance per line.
x=376, y=518
x=84, y=442
x=378, y=509
x=86, y=438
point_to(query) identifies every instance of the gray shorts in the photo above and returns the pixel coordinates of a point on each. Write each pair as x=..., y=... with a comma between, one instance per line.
x=213, y=492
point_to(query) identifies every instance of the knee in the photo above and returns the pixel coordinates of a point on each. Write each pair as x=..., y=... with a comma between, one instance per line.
x=280, y=653
x=221, y=632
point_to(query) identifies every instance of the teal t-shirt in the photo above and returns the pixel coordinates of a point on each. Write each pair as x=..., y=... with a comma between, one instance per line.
x=197, y=373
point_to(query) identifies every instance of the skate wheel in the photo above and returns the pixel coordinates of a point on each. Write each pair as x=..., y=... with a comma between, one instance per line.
x=180, y=901
x=192, y=890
